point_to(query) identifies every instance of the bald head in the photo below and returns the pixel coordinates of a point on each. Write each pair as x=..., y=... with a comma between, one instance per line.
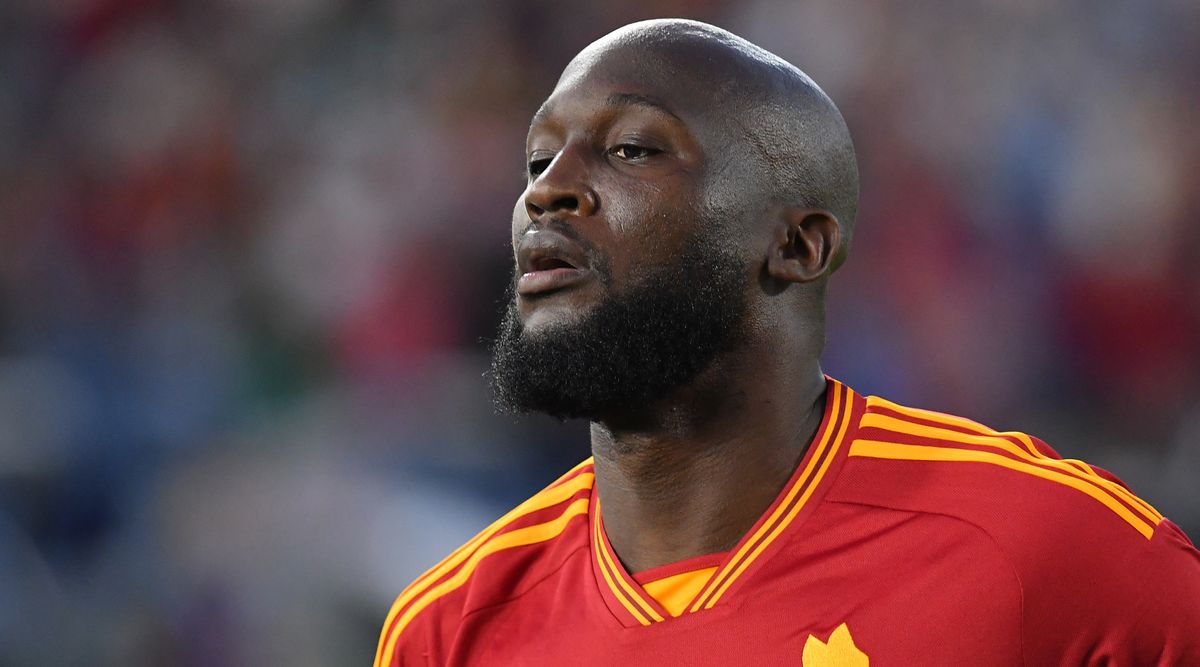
x=784, y=141
x=688, y=196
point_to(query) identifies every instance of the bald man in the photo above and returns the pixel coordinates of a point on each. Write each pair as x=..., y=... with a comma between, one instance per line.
x=689, y=197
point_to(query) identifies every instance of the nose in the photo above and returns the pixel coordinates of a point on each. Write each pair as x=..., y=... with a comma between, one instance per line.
x=562, y=189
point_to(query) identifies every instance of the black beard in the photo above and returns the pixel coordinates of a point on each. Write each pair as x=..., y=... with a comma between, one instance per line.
x=632, y=349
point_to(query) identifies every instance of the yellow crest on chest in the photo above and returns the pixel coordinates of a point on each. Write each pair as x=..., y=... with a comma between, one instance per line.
x=837, y=651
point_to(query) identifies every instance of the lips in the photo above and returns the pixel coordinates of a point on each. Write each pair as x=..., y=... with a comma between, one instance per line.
x=549, y=262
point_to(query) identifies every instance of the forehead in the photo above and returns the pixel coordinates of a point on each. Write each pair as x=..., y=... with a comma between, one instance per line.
x=621, y=76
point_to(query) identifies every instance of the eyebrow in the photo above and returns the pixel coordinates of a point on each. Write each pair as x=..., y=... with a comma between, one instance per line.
x=615, y=100
x=633, y=99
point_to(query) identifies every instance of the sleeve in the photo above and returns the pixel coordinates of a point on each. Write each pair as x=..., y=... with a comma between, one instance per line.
x=1165, y=628
x=1112, y=598
x=413, y=643
x=1122, y=604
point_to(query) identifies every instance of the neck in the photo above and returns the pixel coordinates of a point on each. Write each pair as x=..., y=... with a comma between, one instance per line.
x=691, y=476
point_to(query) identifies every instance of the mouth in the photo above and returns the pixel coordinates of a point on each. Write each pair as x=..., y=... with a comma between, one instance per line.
x=549, y=274
x=549, y=263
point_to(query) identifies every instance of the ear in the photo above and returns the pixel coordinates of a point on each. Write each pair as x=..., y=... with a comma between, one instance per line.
x=803, y=245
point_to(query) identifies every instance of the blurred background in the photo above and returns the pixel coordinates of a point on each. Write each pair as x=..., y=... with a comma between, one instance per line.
x=250, y=252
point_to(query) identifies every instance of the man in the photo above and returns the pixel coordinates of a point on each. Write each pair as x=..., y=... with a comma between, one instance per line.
x=689, y=196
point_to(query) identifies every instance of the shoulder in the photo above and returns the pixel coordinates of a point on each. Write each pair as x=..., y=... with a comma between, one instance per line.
x=1083, y=546
x=1011, y=485
x=504, y=560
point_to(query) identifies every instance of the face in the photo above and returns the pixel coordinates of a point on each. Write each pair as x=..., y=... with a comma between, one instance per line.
x=624, y=286
x=614, y=176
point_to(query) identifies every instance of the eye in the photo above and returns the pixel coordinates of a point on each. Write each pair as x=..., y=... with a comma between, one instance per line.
x=633, y=152
x=538, y=165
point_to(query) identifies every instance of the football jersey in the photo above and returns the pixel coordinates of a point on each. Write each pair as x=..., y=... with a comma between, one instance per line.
x=904, y=537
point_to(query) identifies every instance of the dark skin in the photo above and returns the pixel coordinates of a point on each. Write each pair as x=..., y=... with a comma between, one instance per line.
x=626, y=153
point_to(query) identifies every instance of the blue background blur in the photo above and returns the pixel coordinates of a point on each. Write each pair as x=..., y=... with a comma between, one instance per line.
x=248, y=249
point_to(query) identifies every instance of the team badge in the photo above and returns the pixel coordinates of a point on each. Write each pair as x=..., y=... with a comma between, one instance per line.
x=837, y=651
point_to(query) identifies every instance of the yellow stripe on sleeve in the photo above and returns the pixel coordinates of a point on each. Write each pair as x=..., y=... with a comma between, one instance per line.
x=997, y=441
x=519, y=537
x=979, y=429
x=551, y=496
x=891, y=450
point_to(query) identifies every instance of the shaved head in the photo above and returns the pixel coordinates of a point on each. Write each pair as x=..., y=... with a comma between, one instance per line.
x=689, y=195
x=787, y=137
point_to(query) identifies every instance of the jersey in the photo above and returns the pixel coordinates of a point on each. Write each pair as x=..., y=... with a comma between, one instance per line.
x=904, y=537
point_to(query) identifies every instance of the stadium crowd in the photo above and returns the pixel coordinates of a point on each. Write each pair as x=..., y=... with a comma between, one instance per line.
x=251, y=252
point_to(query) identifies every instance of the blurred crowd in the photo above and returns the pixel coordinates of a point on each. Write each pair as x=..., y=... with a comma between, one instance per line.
x=251, y=252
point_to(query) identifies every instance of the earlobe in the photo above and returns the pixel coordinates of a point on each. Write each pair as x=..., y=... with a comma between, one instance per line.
x=803, y=245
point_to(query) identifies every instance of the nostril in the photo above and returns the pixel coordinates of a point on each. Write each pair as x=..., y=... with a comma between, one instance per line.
x=544, y=205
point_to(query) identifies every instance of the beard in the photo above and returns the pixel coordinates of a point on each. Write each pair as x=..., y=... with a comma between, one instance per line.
x=632, y=349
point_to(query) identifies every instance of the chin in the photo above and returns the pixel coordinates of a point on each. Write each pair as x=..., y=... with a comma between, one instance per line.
x=548, y=316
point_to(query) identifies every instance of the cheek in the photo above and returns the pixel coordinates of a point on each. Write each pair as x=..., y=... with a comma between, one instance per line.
x=656, y=233
x=648, y=248
x=649, y=211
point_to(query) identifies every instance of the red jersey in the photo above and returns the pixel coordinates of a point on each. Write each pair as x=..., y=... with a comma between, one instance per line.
x=904, y=537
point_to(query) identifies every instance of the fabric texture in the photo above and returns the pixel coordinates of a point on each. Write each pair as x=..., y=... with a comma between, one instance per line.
x=904, y=537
